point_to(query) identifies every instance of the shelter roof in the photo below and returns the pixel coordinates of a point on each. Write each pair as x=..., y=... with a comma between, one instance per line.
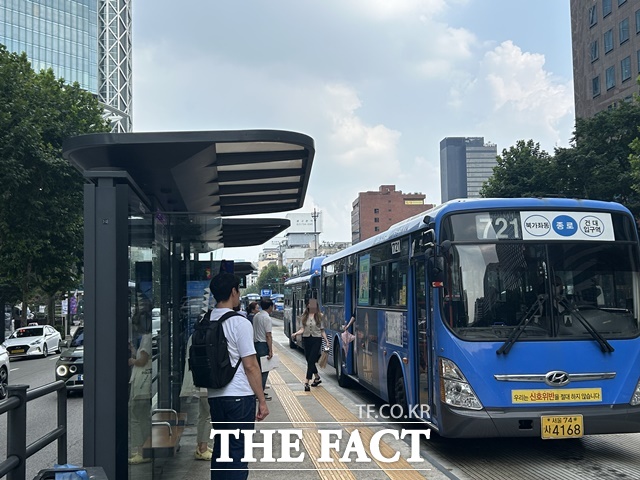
x=211, y=174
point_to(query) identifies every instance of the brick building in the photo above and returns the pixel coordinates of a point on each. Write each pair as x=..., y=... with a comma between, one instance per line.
x=375, y=212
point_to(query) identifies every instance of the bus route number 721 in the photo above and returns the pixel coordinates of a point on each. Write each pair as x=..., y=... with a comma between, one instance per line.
x=497, y=227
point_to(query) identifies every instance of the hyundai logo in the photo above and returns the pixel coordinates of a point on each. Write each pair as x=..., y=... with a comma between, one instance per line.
x=557, y=379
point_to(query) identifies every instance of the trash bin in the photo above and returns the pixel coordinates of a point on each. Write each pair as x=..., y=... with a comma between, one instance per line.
x=71, y=473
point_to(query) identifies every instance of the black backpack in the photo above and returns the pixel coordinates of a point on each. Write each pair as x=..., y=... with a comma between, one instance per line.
x=209, y=360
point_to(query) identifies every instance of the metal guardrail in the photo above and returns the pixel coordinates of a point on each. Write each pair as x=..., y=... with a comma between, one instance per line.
x=15, y=405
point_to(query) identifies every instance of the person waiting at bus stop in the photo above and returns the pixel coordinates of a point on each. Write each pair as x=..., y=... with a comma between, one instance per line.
x=252, y=310
x=233, y=406
x=312, y=332
x=262, y=340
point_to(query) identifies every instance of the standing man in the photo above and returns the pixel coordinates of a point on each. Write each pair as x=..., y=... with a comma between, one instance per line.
x=262, y=327
x=233, y=406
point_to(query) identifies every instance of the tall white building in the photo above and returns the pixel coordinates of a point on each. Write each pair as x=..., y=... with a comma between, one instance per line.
x=465, y=164
x=84, y=41
x=300, y=242
x=305, y=229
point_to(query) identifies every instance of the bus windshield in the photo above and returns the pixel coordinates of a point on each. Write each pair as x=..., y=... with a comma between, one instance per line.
x=565, y=289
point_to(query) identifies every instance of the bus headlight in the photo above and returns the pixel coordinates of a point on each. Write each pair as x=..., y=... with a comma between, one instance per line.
x=454, y=388
x=635, y=399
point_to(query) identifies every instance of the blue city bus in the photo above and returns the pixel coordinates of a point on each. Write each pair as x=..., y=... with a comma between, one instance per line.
x=297, y=291
x=496, y=318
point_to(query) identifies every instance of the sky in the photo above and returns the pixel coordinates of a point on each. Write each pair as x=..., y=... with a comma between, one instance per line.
x=376, y=83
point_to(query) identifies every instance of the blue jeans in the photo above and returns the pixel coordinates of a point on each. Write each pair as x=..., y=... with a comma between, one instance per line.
x=241, y=411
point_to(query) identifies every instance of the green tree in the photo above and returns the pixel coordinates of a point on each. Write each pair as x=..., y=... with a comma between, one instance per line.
x=41, y=209
x=271, y=277
x=524, y=170
x=598, y=165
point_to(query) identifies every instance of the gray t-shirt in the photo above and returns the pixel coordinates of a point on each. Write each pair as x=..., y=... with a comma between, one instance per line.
x=262, y=325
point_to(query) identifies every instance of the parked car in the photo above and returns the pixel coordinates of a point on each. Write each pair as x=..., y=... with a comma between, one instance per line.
x=38, y=340
x=70, y=365
x=4, y=371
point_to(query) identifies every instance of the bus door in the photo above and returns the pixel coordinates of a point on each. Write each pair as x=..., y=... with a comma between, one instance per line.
x=297, y=308
x=350, y=363
x=301, y=296
x=421, y=309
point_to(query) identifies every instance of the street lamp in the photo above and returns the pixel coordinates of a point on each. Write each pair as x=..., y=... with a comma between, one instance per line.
x=315, y=216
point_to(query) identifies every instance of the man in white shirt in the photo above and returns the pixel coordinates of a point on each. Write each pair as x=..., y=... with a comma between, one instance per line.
x=233, y=406
x=262, y=328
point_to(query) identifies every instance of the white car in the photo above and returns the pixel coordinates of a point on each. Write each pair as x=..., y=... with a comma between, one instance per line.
x=4, y=371
x=37, y=340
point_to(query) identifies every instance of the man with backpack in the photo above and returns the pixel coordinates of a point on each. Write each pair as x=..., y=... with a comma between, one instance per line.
x=234, y=405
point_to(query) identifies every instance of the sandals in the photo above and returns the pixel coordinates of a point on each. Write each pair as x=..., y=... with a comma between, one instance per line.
x=315, y=383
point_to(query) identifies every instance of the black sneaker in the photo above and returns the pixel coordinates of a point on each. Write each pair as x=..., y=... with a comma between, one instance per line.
x=307, y=388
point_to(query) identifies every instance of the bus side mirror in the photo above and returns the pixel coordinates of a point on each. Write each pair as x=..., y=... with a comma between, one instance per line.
x=436, y=267
x=436, y=263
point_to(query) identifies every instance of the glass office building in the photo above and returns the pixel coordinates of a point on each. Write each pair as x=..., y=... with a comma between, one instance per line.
x=84, y=41
x=465, y=164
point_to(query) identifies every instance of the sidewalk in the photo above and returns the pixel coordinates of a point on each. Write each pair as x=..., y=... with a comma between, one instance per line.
x=322, y=409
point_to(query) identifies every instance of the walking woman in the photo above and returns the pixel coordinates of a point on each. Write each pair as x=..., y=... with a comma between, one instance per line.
x=312, y=332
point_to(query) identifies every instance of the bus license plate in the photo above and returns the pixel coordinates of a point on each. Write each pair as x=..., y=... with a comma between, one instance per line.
x=561, y=426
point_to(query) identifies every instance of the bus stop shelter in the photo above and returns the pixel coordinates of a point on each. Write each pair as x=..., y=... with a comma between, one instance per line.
x=153, y=203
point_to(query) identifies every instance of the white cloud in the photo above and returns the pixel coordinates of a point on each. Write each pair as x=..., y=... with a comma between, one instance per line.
x=512, y=96
x=389, y=10
x=528, y=95
x=353, y=143
x=376, y=83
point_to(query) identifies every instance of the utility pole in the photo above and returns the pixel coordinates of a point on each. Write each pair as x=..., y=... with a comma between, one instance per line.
x=315, y=216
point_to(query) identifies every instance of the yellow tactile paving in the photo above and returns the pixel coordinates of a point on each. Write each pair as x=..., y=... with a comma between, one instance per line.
x=310, y=439
x=399, y=470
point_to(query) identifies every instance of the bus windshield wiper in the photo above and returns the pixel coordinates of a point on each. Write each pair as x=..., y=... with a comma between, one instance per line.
x=534, y=310
x=604, y=345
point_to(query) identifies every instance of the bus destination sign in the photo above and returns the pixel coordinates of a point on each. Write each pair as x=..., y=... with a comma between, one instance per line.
x=544, y=225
